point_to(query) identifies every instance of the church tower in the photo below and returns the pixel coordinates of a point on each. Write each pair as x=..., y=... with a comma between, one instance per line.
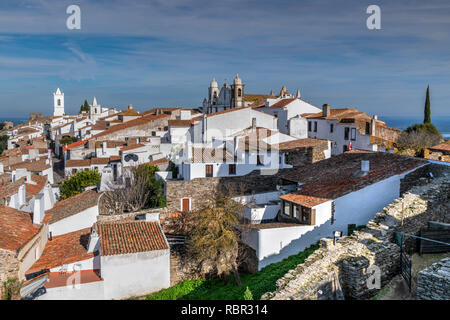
x=213, y=92
x=95, y=110
x=58, y=103
x=238, y=89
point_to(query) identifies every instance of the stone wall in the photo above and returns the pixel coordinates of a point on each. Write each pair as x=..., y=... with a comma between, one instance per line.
x=434, y=282
x=307, y=155
x=199, y=189
x=352, y=256
x=9, y=268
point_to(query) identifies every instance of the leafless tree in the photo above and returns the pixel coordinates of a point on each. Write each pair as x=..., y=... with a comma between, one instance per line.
x=417, y=140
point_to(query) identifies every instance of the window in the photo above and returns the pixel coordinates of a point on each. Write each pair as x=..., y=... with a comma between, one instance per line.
x=286, y=207
x=259, y=160
x=331, y=128
x=332, y=212
x=309, y=126
x=353, y=135
x=367, y=128
x=239, y=92
x=59, y=102
x=232, y=169
x=346, y=133
x=209, y=170
x=315, y=126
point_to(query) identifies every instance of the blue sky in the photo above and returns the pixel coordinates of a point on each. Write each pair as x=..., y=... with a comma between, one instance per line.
x=165, y=53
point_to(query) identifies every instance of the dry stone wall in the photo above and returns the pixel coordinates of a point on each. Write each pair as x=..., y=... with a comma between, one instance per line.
x=434, y=282
x=9, y=268
x=353, y=257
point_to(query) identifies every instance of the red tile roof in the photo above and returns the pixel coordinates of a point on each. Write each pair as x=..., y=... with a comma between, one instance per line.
x=300, y=143
x=74, y=145
x=58, y=279
x=68, y=248
x=337, y=176
x=33, y=166
x=34, y=189
x=130, y=124
x=180, y=123
x=282, y=103
x=445, y=146
x=130, y=237
x=132, y=147
x=16, y=228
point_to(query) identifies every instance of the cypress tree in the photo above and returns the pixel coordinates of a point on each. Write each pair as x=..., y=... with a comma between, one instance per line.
x=427, y=111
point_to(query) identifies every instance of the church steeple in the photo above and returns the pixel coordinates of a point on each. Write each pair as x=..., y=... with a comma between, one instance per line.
x=58, y=103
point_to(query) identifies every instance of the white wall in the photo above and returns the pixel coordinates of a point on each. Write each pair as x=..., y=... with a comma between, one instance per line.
x=275, y=244
x=135, y=274
x=85, y=291
x=82, y=220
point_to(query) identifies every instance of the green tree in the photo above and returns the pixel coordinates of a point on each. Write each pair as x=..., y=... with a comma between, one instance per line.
x=213, y=235
x=78, y=182
x=67, y=140
x=84, y=107
x=3, y=143
x=427, y=110
x=248, y=294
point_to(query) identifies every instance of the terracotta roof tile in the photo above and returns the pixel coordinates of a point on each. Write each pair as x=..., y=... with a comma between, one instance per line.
x=282, y=103
x=16, y=228
x=132, y=147
x=445, y=146
x=339, y=175
x=64, y=249
x=130, y=237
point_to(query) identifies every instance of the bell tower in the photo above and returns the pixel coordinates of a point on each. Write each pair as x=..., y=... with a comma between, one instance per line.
x=238, y=88
x=58, y=103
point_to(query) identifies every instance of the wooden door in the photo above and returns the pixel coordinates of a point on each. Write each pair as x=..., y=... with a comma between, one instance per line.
x=209, y=170
x=185, y=205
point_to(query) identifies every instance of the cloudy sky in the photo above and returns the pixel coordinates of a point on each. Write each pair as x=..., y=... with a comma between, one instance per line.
x=165, y=53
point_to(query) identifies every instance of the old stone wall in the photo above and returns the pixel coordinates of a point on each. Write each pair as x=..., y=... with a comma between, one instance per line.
x=434, y=282
x=354, y=258
x=199, y=189
x=9, y=268
x=307, y=155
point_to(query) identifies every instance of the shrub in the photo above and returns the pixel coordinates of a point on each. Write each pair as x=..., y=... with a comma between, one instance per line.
x=248, y=294
x=11, y=289
x=78, y=182
x=419, y=137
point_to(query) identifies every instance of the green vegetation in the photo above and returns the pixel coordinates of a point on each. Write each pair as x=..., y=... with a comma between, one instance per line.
x=84, y=107
x=248, y=294
x=155, y=187
x=11, y=289
x=78, y=182
x=67, y=140
x=226, y=289
x=427, y=110
x=420, y=136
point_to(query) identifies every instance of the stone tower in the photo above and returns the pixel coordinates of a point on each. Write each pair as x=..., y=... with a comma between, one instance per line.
x=214, y=92
x=238, y=89
x=58, y=103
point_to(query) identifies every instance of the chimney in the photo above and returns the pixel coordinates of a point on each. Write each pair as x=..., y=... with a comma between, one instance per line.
x=325, y=110
x=1, y=168
x=235, y=146
x=94, y=241
x=130, y=106
x=253, y=124
x=373, y=125
x=365, y=167
x=152, y=217
x=103, y=147
x=38, y=209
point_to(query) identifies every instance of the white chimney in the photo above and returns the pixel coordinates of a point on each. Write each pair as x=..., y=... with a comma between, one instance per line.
x=325, y=110
x=94, y=241
x=152, y=217
x=1, y=168
x=103, y=147
x=365, y=166
x=38, y=209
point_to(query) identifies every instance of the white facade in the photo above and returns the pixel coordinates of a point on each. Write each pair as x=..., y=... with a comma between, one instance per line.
x=358, y=207
x=58, y=103
x=79, y=221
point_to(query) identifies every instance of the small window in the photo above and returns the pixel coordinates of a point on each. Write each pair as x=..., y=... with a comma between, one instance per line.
x=239, y=92
x=315, y=126
x=346, y=133
x=309, y=126
x=353, y=135
x=232, y=169
x=331, y=128
x=59, y=102
x=367, y=128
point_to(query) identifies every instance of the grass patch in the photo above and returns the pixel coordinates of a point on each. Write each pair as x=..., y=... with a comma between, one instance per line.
x=226, y=289
x=380, y=293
